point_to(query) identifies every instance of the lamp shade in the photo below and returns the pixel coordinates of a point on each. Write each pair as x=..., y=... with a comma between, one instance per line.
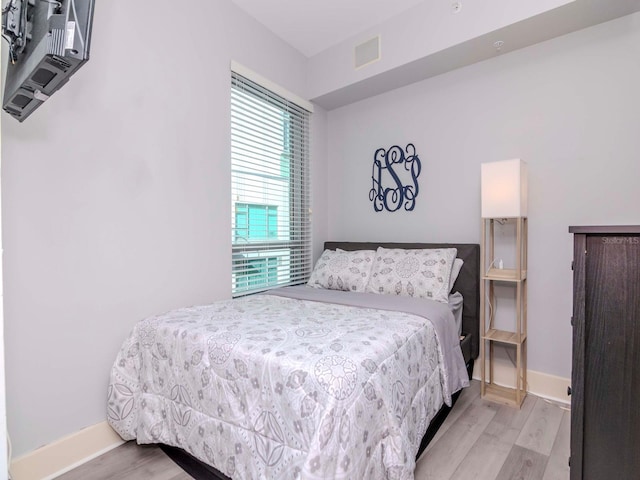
x=504, y=189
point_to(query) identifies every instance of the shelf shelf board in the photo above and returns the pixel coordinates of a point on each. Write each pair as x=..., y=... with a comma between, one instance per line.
x=505, y=275
x=490, y=336
x=503, y=395
x=504, y=336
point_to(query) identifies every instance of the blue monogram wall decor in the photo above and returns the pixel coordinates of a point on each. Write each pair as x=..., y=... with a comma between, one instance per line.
x=394, y=178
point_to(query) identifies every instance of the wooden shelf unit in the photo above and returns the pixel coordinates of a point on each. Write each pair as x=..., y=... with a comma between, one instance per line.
x=490, y=335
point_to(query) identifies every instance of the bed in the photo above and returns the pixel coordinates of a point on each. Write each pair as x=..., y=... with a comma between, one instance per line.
x=300, y=382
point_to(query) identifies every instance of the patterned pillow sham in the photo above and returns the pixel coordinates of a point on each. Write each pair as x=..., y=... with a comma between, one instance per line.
x=413, y=273
x=342, y=270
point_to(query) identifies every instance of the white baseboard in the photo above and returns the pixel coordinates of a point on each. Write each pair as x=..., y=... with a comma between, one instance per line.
x=539, y=384
x=54, y=459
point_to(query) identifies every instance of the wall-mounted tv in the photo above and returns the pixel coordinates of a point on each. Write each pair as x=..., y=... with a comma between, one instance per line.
x=49, y=41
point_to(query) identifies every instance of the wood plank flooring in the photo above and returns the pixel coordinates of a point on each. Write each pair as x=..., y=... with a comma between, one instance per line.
x=479, y=440
x=129, y=462
x=485, y=441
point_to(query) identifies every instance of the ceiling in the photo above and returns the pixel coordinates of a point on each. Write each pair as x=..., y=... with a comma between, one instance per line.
x=311, y=26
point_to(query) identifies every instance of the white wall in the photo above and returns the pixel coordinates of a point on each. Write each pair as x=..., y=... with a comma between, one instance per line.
x=320, y=181
x=116, y=199
x=570, y=107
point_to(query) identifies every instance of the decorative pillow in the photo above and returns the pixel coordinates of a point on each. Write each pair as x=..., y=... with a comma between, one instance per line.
x=455, y=271
x=342, y=270
x=413, y=273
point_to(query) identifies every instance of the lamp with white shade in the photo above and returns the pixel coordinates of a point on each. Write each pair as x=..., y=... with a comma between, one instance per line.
x=504, y=189
x=504, y=193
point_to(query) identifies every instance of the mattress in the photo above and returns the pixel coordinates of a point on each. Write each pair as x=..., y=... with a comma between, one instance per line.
x=303, y=383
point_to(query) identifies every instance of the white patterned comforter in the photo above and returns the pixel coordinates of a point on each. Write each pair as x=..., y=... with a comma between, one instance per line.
x=268, y=387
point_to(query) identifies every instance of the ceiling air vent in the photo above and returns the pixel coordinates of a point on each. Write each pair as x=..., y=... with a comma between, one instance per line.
x=367, y=52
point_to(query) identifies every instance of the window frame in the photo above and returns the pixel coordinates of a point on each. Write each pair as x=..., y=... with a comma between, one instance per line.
x=292, y=249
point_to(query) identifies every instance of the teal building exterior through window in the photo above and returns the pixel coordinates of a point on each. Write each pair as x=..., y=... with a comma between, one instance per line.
x=256, y=222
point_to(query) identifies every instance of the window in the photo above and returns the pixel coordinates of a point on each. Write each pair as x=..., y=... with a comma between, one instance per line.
x=270, y=220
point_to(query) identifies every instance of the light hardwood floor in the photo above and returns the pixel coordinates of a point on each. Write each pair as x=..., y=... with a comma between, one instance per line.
x=479, y=440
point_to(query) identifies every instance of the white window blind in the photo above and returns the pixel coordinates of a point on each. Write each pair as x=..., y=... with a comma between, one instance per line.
x=270, y=218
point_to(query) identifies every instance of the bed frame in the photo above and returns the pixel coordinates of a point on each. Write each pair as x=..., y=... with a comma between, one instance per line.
x=467, y=283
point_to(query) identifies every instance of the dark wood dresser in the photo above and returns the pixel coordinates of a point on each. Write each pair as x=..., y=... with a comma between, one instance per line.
x=605, y=380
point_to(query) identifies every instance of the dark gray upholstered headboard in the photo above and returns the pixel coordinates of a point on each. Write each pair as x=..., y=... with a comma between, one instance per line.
x=468, y=282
